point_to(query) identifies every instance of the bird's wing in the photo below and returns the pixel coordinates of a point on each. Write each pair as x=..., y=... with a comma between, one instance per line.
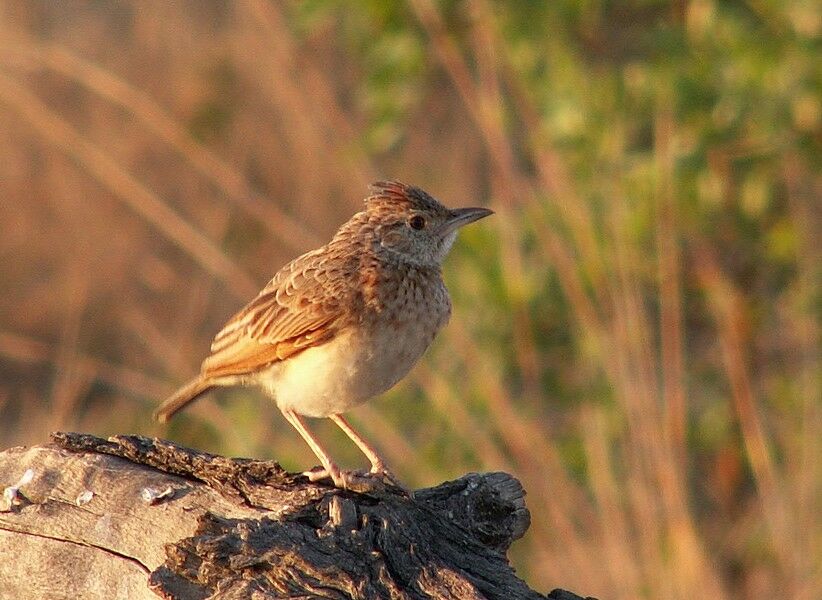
x=300, y=307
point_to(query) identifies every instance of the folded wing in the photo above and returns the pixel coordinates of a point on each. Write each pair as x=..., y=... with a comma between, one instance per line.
x=299, y=308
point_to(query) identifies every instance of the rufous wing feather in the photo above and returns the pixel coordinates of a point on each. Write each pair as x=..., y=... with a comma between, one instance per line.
x=295, y=311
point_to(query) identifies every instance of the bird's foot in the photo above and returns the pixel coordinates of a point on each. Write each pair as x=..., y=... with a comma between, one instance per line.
x=380, y=470
x=355, y=481
x=358, y=481
x=333, y=472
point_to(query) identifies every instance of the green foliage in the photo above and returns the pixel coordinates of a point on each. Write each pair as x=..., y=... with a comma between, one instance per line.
x=655, y=168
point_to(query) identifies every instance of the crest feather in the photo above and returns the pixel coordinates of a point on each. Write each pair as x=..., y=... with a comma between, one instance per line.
x=401, y=195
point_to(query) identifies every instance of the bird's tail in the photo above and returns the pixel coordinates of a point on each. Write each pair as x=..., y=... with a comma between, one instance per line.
x=179, y=399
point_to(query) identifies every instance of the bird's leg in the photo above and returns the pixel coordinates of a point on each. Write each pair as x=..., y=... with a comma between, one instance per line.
x=377, y=463
x=330, y=469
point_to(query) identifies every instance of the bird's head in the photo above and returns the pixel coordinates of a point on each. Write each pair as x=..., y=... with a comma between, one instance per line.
x=413, y=226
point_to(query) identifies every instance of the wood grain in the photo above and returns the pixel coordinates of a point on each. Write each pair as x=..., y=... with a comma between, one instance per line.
x=134, y=517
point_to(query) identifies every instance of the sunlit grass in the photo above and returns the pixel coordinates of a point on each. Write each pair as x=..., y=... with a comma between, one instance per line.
x=635, y=333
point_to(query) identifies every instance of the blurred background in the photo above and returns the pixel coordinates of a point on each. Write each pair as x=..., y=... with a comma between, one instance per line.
x=635, y=333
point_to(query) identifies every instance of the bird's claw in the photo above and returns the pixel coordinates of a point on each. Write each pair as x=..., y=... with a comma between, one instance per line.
x=381, y=471
x=345, y=480
x=358, y=481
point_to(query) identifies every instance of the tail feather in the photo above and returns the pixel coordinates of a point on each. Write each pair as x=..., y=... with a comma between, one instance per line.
x=179, y=399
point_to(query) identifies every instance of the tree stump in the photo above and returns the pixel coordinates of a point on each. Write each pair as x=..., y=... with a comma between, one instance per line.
x=133, y=517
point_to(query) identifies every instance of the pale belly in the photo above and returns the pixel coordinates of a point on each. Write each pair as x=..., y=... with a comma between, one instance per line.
x=347, y=371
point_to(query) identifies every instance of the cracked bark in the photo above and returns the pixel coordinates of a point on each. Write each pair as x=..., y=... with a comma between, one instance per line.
x=135, y=517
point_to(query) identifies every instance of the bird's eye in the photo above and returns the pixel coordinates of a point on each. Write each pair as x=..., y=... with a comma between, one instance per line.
x=417, y=222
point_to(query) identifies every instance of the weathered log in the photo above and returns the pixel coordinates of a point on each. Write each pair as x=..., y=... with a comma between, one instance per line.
x=133, y=517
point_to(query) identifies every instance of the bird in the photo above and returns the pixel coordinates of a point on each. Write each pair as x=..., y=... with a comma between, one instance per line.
x=343, y=323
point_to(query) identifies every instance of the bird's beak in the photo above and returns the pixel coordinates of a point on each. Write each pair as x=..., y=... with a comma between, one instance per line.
x=463, y=216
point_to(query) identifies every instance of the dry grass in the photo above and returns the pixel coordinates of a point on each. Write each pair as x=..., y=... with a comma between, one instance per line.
x=613, y=345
